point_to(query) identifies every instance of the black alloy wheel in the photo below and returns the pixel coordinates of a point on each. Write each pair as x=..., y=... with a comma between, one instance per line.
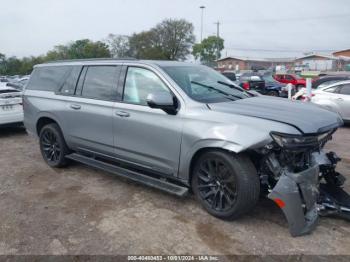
x=226, y=184
x=53, y=146
x=216, y=186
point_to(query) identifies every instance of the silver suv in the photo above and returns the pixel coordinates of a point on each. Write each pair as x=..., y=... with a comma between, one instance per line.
x=178, y=126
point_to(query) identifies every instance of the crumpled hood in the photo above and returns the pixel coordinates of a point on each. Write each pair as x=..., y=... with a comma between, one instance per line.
x=306, y=117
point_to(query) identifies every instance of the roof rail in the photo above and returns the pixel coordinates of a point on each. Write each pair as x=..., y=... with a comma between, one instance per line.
x=91, y=59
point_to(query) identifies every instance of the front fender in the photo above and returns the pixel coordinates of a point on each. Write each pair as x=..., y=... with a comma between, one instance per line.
x=235, y=139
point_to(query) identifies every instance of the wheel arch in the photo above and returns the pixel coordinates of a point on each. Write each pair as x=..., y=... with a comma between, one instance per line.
x=43, y=120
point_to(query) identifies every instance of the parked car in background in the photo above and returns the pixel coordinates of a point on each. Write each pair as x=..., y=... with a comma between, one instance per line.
x=272, y=85
x=11, y=109
x=230, y=75
x=293, y=79
x=20, y=83
x=335, y=97
x=264, y=84
x=3, y=80
x=328, y=80
x=252, y=81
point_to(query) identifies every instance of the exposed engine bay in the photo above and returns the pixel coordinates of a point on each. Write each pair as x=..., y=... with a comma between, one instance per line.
x=301, y=179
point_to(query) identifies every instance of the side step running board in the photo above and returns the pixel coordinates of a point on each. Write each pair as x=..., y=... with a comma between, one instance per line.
x=132, y=175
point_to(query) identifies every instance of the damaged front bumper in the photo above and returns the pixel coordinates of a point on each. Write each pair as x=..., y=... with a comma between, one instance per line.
x=296, y=194
x=312, y=192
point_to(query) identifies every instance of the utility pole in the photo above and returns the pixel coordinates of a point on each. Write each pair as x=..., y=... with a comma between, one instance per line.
x=217, y=43
x=202, y=13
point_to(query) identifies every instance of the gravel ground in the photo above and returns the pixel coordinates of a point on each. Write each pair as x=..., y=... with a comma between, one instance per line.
x=79, y=210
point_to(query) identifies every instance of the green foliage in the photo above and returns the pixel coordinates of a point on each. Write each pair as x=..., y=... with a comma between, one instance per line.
x=84, y=48
x=118, y=45
x=209, y=49
x=79, y=49
x=144, y=45
x=170, y=40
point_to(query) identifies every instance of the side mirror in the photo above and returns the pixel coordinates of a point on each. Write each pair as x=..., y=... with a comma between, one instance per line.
x=164, y=101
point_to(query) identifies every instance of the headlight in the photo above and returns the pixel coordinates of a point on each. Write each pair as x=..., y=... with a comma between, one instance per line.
x=298, y=141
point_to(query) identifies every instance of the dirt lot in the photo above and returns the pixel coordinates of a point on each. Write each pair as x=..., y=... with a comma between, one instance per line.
x=79, y=210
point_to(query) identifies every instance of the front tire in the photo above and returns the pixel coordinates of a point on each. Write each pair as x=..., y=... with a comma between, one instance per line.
x=226, y=185
x=53, y=146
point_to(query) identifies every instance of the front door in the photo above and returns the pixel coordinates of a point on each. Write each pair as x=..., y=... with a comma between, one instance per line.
x=148, y=138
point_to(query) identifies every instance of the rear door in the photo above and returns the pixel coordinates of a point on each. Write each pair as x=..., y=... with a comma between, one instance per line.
x=343, y=101
x=88, y=114
x=145, y=137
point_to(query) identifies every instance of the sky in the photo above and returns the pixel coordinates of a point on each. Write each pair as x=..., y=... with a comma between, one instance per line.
x=250, y=28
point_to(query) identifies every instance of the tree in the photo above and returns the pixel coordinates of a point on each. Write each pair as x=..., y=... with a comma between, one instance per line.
x=209, y=50
x=79, y=49
x=144, y=45
x=2, y=64
x=175, y=37
x=119, y=46
x=171, y=40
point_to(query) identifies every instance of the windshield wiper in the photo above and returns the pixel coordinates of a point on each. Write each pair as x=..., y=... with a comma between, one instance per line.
x=236, y=87
x=231, y=85
x=227, y=95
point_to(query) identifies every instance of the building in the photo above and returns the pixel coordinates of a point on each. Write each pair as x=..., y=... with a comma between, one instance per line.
x=337, y=61
x=246, y=63
x=343, y=59
x=317, y=62
x=342, y=53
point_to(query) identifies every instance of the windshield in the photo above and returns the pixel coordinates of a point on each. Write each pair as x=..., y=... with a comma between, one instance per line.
x=204, y=84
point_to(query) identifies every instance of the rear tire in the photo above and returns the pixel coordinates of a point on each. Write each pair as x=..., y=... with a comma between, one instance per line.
x=53, y=146
x=226, y=185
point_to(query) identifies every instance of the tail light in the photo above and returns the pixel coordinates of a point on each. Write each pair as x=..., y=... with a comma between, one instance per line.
x=246, y=86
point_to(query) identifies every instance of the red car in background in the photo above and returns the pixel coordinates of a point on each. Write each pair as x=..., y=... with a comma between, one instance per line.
x=297, y=81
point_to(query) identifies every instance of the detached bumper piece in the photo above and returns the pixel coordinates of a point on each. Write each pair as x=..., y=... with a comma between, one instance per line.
x=314, y=192
x=296, y=194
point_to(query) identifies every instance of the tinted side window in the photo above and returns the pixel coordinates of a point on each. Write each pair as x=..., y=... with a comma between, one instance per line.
x=69, y=85
x=100, y=82
x=50, y=78
x=345, y=90
x=333, y=89
x=287, y=77
x=139, y=83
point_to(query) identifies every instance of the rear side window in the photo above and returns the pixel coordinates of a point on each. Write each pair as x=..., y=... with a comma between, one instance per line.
x=69, y=85
x=100, y=83
x=50, y=78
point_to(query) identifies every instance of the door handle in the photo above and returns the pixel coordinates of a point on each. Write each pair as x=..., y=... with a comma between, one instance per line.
x=122, y=113
x=339, y=99
x=75, y=107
